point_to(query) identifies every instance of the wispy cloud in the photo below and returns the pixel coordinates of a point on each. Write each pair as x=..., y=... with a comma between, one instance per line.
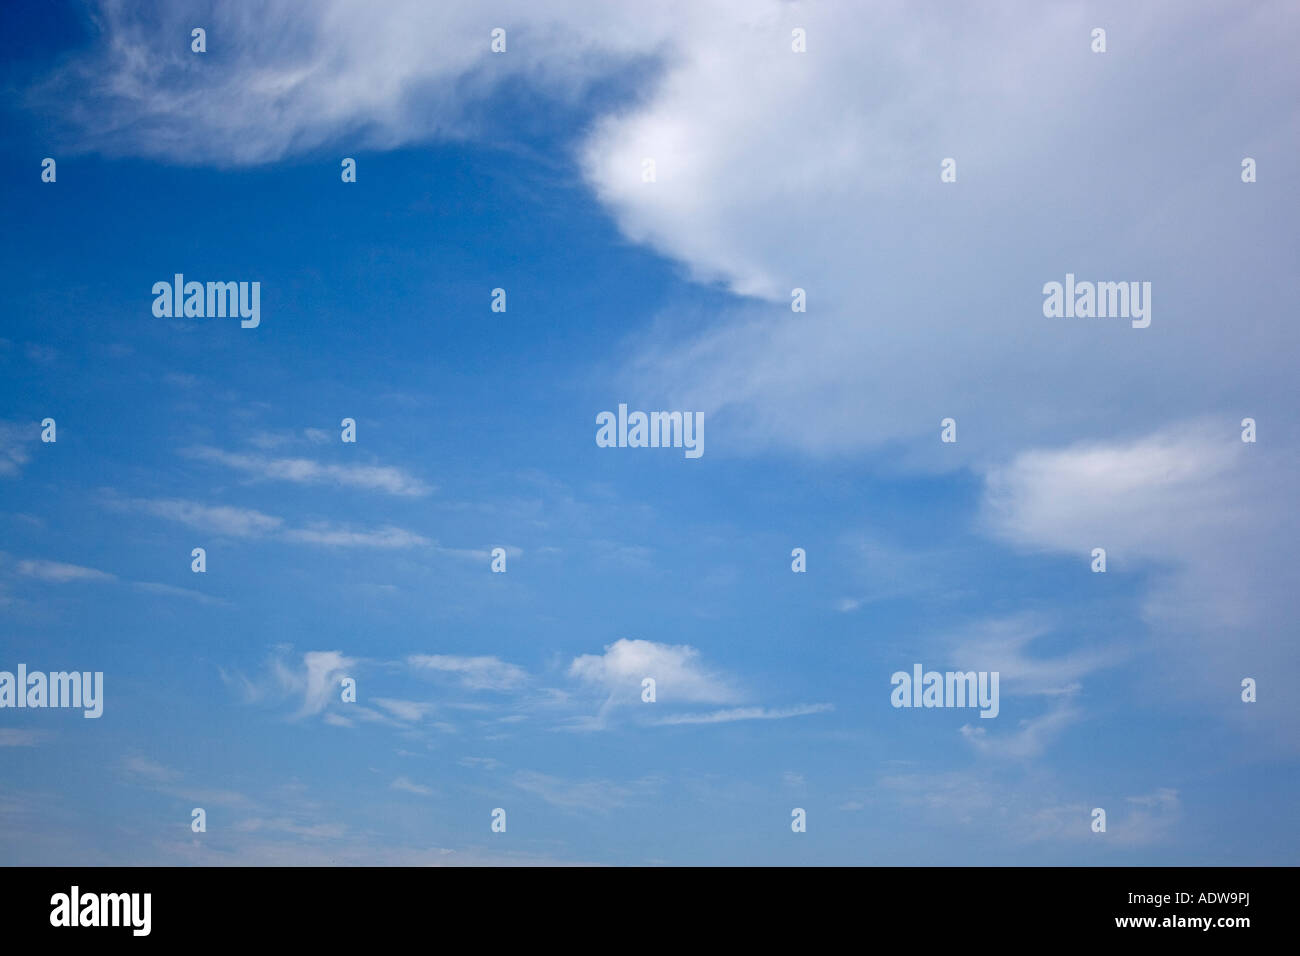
x=318, y=679
x=1033, y=736
x=219, y=519
x=56, y=572
x=14, y=437
x=407, y=786
x=59, y=573
x=149, y=769
x=480, y=763
x=1009, y=645
x=249, y=523
x=148, y=773
x=315, y=831
x=334, y=537
x=410, y=711
x=10, y=737
x=598, y=795
x=746, y=713
x=154, y=587
x=383, y=478
x=1151, y=818
x=1194, y=511
x=475, y=673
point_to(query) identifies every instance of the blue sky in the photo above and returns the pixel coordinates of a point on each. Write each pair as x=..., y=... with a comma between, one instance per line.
x=476, y=430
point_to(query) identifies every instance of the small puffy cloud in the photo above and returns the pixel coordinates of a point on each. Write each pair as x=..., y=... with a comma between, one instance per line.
x=678, y=672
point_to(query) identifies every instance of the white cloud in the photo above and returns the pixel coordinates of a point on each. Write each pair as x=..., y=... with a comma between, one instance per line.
x=58, y=573
x=411, y=711
x=475, y=673
x=317, y=831
x=220, y=519
x=679, y=674
x=1150, y=818
x=480, y=554
x=821, y=171
x=818, y=170
x=953, y=797
x=295, y=78
x=149, y=769
x=153, y=775
x=746, y=713
x=155, y=588
x=1197, y=515
x=319, y=680
x=1130, y=822
x=334, y=537
x=598, y=795
x=14, y=437
x=1031, y=739
x=249, y=523
x=680, y=677
x=1007, y=645
x=1145, y=498
x=387, y=479
x=405, y=785
x=9, y=737
x=480, y=763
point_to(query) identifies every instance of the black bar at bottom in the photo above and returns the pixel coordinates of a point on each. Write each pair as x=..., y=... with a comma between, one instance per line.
x=614, y=906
